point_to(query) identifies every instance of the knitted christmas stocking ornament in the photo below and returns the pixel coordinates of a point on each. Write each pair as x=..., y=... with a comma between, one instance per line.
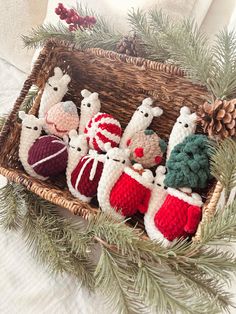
x=178, y=216
x=103, y=128
x=90, y=106
x=55, y=89
x=132, y=191
x=185, y=125
x=61, y=119
x=44, y=156
x=116, y=160
x=158, y=195
x=86, y=175
x=140, y=120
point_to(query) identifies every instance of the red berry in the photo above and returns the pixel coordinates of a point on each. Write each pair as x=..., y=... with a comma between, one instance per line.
x=87, y=18
x=64, y=10
x=63, y=16
x=60, y=5
x=68, y=20
x=93, y=20
x=71, y=13
x=72, y=28
x=58, y=11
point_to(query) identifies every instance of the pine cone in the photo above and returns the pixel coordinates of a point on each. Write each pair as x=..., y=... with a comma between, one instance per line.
x=129, y=45
x=219, y=119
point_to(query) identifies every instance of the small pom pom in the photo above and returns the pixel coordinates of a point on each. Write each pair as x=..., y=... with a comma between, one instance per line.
x=139, y=152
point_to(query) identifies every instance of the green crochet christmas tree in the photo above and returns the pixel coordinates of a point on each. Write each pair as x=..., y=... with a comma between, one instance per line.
x=188, y=165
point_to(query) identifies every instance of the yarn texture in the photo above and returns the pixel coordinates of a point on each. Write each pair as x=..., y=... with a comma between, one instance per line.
x=140, y=120
x=184, y=126
x=62, y=118
x=179, y=215
x=158, y=195
x=132, y=191
x=90, y=106
x=48, y=156
x=55, y=89
x=103, y=128
x=146, y=148
x=188, y=165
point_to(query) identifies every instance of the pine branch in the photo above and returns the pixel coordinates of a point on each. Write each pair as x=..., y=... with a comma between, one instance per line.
x=114, y=272
x=48, y=242
x=12, y=207
x=224, y=52
x=41, y=34
x=148, y=34
x=29, y=99
x=223, y=164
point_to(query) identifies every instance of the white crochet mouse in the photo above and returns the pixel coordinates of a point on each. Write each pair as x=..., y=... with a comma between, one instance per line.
x=184, y=126
x=116, y=160
x=30, y=132
x=55, y=89
x=78, y=147
x=140, y=120
x=158, y=195
x=90, y=106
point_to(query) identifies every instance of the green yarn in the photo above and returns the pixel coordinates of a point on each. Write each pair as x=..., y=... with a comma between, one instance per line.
x=148, y=132
x=188, y=165
x=163, y=145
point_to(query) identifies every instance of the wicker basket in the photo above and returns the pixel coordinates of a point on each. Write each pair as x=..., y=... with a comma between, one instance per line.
x=122, y=82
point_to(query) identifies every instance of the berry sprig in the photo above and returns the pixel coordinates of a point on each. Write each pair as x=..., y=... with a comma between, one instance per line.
x=74, y=20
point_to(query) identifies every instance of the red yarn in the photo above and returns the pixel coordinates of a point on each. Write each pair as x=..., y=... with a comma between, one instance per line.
x=177, y=218
x=139, y=152
x=158, y=160
x=44, y=158
x=86, y=186
x=113, y=128
x=128, y=196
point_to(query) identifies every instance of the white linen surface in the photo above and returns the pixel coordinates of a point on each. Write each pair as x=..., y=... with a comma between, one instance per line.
x=26, y=286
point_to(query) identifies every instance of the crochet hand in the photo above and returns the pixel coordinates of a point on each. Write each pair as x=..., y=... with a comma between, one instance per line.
x=194, y=217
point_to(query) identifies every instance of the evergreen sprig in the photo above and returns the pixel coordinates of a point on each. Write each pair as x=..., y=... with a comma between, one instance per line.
x=29, y=99
x=12, y=207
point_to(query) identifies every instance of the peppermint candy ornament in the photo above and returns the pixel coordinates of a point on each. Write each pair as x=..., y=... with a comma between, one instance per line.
x=44, y=156
x=86, y=175
x=103, y=128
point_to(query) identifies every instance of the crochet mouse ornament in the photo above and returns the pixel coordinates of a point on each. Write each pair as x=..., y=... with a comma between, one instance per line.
x=61, y=119
x=42, y=157
x=90, y=106
x=184, y=126
x=140, y=120
x=83, y=171
x=178, y=217
x=116, y=160
x=158, y=195
x=55, y=89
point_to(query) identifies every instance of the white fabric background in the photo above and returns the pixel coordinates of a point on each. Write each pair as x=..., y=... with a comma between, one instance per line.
x=26, y=287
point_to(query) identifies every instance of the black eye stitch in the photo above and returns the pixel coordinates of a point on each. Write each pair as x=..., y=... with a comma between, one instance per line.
x=28, y=127
x=146, y=115
x=165, y=187
x=108, y=157
x=88, y=105
x=55, y=88
x=186, y=125
x=79, y=149
x=36, y=128
x=116, y=160
x=180, y=122
x=123, y=162
x=158, y=184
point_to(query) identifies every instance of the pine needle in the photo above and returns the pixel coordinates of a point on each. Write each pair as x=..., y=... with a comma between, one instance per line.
x=29, y=99
x=12, y=207
x=41, y=34
x=223, y=164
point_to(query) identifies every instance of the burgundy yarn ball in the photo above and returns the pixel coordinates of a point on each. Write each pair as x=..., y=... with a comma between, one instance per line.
x=48, y=156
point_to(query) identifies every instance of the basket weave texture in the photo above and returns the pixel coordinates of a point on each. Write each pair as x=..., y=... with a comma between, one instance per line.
x=122, y=83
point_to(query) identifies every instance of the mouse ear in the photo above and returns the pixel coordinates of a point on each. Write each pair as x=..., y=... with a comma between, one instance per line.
x=193, y=117
x=107, y=146
x=73, y=133
x=157, y=112
x=22, y=115
x=185, y=111
x=160, y=170
x=94, y=96
x=147, y=101
x=85, y=93
x=58, y=72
